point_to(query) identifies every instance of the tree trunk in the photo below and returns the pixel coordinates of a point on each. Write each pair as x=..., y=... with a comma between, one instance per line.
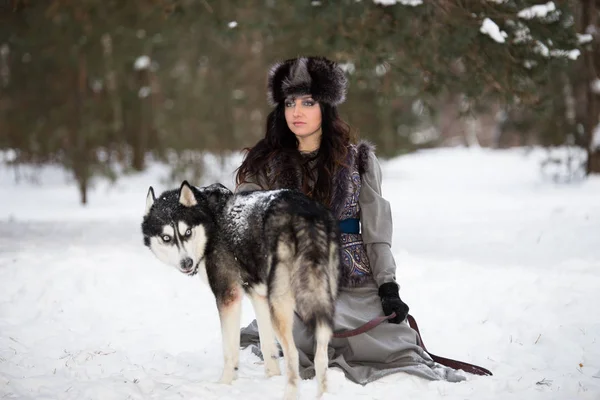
x=111, y=86
x=82, y=184
x=593, y=163
x=140, y=140
x=4, y=65
x=589, y=18
x=79, y=151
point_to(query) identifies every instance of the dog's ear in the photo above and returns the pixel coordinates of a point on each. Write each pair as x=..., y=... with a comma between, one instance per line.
x=150, y=199
x=216, y=195
x=219, y=188
x=186, y=195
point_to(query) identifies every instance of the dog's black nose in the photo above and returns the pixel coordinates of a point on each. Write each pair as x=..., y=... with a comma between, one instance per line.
x=187, y=264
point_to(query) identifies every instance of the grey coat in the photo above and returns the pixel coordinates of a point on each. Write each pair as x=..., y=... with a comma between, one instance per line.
x=386, y=349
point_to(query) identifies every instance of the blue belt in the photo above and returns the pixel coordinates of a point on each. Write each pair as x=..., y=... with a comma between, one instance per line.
x=350, y=225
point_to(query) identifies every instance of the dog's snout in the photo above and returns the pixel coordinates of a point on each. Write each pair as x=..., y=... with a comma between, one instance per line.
x=187, y=264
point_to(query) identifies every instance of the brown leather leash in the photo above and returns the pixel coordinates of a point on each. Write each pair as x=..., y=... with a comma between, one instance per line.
x=364, y=328
x=473, y=369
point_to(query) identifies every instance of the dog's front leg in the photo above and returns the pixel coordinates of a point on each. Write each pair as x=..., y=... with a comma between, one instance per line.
x=230, y=306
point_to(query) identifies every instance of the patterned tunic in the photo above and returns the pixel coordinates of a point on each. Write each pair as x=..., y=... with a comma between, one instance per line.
x=354, y=255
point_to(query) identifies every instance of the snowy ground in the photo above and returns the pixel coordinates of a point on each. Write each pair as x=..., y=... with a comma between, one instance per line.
x=501, y=268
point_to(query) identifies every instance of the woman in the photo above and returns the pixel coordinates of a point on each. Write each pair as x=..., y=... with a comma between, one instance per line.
x=308, y=147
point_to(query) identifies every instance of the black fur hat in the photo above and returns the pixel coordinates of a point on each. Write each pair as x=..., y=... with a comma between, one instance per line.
x=319, y=77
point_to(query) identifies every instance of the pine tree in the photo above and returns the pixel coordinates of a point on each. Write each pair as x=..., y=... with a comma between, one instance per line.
x=412, y=69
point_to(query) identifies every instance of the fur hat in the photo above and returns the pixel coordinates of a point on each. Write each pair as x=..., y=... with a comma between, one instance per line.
x=319, y=77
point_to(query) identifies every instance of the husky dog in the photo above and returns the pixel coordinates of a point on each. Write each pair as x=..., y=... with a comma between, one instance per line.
x=279, y=247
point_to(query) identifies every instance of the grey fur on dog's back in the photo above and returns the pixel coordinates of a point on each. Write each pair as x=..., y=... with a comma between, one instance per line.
x=284, y=225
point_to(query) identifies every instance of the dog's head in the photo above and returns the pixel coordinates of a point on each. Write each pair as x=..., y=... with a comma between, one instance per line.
x=178, y=224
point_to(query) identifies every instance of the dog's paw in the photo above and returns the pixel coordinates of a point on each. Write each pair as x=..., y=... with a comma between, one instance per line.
x=272, y=368
x=291, y=392
x=227, y=377
x=322, y=389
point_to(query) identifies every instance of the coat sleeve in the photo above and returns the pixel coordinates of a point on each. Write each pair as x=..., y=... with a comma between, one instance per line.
x=247, y=187
x=376, y=224
x=250, y=184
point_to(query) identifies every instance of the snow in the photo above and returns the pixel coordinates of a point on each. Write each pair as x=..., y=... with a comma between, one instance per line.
x=542, y=49
x=403, y=2
x=348, y=67
x=142, y=62
x=381, y=69
x=144, y=92
x=490, y=28
x=537, y=11
x=584, y=38
x=522, y=33
x=240, y=210
x=595, y=142
x=570, y=54
x=499, y=266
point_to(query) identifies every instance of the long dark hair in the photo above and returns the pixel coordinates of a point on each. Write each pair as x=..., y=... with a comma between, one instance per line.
x=280, y=141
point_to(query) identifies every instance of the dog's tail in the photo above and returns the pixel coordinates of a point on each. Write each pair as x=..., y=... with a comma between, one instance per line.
x=315, y=272
x=314, y=281
x=304, y=274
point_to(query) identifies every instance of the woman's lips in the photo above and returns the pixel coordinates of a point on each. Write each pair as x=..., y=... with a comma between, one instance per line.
x=299, y=123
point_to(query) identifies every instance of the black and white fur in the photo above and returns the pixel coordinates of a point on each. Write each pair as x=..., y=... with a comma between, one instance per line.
x=318, y=77
x=279, y=247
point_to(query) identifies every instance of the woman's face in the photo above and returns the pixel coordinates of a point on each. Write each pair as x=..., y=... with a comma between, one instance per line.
x=303, y=116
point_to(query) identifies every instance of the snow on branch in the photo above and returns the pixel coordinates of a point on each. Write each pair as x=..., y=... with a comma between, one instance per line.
x=537, y=11
x=490, y=28
x=584, y=38
x=522, y=34
x=403, y=2
x=595, y=86
x=595, y=142
x=542, y=49
x=348, y=67
x=142, y=62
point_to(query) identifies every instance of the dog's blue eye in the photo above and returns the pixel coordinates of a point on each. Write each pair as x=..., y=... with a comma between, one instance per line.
x=166, y=238
x=188, y=232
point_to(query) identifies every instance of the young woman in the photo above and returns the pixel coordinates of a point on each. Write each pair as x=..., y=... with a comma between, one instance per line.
x=308, y=147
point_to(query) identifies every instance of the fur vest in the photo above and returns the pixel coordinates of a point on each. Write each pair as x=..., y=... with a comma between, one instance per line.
x=344, y=204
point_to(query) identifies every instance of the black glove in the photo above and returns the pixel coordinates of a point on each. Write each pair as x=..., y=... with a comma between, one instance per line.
x=390, y=301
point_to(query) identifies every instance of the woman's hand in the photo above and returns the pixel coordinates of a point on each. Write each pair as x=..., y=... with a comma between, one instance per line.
x=390, y=301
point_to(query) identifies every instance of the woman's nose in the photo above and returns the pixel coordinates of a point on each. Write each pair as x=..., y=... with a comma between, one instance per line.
x=297, y=110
